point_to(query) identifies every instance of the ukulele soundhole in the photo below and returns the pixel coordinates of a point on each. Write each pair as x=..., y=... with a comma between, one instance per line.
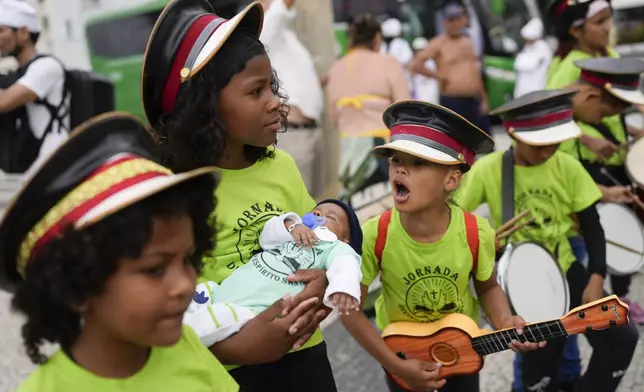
x=444, y=354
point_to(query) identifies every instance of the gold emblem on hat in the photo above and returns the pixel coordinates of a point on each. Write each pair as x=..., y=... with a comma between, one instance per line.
x=608, y=85
x=511, y=129
x=461, y=157
x=185, y=72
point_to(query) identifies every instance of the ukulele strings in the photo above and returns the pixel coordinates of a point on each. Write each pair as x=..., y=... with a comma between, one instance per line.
x=488, y=340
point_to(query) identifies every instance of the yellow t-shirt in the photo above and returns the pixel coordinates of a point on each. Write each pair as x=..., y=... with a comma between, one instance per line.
x=246, y=199
x=552, y=192
x=565, y=74
x=424, y=282
x=187, y=366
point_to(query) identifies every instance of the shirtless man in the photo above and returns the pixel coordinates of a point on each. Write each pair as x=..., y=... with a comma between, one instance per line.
x=457, y=67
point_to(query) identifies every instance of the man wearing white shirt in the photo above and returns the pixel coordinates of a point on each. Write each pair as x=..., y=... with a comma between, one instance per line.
x=43, y=80
x=532, y=63
x=296, y=71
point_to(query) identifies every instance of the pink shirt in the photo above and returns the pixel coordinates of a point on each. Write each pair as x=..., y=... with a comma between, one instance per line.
x=361, y=85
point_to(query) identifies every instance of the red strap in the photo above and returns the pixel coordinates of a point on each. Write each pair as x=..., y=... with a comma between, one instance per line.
x=381, y=239
x=472, y=230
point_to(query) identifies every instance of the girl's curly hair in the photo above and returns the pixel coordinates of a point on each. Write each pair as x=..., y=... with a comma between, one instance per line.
x=193, y=135
x=76, y=265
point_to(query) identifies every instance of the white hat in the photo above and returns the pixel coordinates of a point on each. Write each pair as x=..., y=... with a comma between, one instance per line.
x=533, y=30
x=419, y=43
x=391, y=28
x=17, y=14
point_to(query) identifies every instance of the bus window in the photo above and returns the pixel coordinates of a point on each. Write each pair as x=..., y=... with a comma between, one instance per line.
x=503, y=24
x=629, y=26
x=123, y=37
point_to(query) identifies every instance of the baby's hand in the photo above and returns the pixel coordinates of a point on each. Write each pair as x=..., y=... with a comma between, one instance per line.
x=304, y=236
x=344, y=303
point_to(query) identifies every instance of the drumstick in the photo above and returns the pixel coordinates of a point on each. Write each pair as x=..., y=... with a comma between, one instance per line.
x=511, y=222
x=509, y=232
x=622, y=246
x=614, y=180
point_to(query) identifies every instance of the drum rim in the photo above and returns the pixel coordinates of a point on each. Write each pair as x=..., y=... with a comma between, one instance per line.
x=627, y=166
x=640, y=265
x=504, y=284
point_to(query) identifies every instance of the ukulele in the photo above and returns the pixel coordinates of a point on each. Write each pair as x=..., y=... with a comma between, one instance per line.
x=457, y=343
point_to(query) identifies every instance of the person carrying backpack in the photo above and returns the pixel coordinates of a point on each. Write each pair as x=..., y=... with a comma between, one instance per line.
x=34, y=106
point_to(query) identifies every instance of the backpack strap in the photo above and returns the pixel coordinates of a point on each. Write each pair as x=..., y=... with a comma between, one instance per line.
x=381, y=237
x=472, y=232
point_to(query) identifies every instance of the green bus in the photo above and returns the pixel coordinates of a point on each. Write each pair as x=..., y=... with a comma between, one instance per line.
x=117, y=40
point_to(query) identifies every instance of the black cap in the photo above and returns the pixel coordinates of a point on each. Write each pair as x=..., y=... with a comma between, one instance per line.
x=540, y=117
x=102, y=157
x=433, y=132
x=184, y=39
x=619, y=76
x=355, y=231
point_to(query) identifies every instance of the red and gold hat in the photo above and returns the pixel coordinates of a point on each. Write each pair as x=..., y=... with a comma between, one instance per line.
x=434, y=133
x=540, y=118
x=107, y=164
x=619, y=76
x=184, y=39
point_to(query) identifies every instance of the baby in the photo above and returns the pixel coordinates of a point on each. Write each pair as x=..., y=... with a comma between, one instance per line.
x=329, y=238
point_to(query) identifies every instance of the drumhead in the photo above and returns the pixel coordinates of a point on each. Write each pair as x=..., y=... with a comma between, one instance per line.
x=622, y=226
x=635, y=162
x=534, y=283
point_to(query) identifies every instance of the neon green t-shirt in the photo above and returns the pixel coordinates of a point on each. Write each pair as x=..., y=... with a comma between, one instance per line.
x=187, y=366
x=554, y=64
x=566, y=74
x=579, y=150
x=552, y=192
x=424, y=282
x=246, y=199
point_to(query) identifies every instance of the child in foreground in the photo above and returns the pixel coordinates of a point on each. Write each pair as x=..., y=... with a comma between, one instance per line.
x=102, y=248
x=432, y=246
x=329, y=238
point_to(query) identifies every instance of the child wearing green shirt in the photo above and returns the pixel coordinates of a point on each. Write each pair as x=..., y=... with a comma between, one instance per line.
x=432, y=246
x=552, y=186
x=101, y=249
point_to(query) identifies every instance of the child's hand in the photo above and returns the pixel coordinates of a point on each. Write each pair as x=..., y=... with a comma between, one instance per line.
x=344, y=303
x=516, y=346
x=304, y=236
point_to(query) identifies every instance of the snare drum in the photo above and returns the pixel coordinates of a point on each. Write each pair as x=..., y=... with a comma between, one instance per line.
x=635, y=170
x=622, y=227
x=533, y=281
x=635, y=162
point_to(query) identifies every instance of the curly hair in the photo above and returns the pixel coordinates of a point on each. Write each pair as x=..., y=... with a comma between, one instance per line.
x=193, y=135
x=76, y=265
x=363, y=30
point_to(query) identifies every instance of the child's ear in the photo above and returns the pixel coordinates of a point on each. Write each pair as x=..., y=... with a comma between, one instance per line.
x=453, y=179
x=576, y=32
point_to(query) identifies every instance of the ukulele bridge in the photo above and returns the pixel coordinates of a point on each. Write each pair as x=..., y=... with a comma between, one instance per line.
x=444, y=354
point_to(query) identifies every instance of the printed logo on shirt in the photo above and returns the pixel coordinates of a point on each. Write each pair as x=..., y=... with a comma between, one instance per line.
x=546, y=228
x=431, y=294
x=249, y=226
x=278, y=263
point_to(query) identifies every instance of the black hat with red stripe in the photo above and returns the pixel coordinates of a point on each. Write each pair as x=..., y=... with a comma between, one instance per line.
x=540, y=118
x=184, y=39
x=618, y=76
x=434, y=133
x=107, y=164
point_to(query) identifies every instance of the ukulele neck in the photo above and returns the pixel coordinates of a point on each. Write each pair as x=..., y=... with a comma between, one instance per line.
x=500, y=340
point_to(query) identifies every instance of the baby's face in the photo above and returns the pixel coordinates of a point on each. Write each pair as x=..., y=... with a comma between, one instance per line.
x=337, y=220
